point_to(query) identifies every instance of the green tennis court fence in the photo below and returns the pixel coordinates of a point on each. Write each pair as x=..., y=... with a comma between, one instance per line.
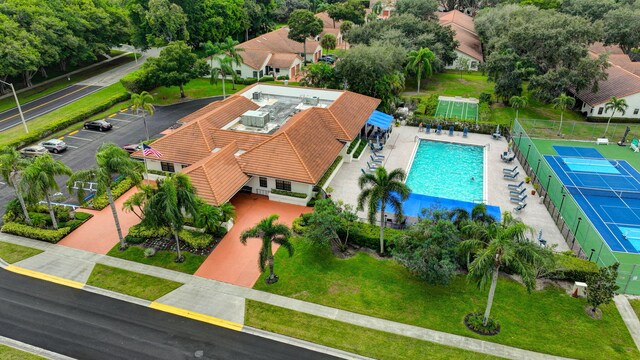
x=576, y=228
x=577, y=130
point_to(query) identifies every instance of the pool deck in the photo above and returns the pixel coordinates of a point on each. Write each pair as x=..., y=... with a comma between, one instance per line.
x=399, y=150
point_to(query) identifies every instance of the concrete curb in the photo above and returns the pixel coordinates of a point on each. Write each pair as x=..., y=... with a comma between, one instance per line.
x=33, y=349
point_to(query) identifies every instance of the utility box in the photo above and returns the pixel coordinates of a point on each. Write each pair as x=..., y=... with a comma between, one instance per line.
x=311, y=101
x=257, y=95
x=579, y=289
x=255, y=118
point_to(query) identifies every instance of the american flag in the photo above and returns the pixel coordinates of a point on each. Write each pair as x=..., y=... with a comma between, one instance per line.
x=148, y=151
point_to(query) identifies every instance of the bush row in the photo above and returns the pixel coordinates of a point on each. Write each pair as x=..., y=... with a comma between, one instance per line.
x=327, y=174
x=572, y=268
x=117, y=189
x=353, y=145
x=289, y=193
x=82, y=216
x=64, y=122
x=52, y=236
x=195, y=239
x=613, y=120
x=139, y=81
x=367, y=235
x=360, y=149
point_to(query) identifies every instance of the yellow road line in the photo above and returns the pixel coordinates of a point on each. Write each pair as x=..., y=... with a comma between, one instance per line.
x=45, y=277
x=47, y=103
x=61, y=138
x=196, y=316
x=74, y=132
x=112, y=115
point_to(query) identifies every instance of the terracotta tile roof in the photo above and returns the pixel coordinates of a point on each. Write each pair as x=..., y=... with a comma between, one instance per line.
x=324, y=117
x=302, y=152
x=352, y=110
x=234, y=106
x=187, y=145
x=459, y=18
x=282, y=60
x=620, y=83
x=327, y=22
x=469, y=43
x=203, y=111
x=255, y=58
x=218, y=176
x=617, y=57
x=245, y=141
x=277, y=41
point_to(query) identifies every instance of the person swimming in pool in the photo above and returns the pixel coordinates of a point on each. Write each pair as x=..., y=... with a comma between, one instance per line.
x=472, y=178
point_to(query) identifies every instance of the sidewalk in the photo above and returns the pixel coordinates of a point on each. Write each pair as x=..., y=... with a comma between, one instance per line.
x=223, y=304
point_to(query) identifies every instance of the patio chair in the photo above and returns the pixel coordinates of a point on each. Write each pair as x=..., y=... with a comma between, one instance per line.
x=634, y=145
x=497, y=135
x=439, y=130
x=517, y=192
x=362, y=170
x=514, y=186
x=375, y=147
x=510, y=171
x=450, y=130
x=518, y=199
x=375, y=160
x=465, y=132
x=373, y=166
x=379, y=156
x=428, y=129
x=512, y=176
x=508, y=159
x=520, y=207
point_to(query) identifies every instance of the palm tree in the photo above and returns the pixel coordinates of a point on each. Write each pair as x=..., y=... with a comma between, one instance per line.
x=39, y=180
x=111, y=161
x=209, y=218
x=269, y=233
x=518, y=102
x=223, y=70
x=616, y=105
x=421, y=60
x=380, y=189
x=228, y=55
x=563, y=102
x=12, y=164
x=228, y=211
x=497, y=245
x=139, y=200
x=174, y=198
x=142, y=102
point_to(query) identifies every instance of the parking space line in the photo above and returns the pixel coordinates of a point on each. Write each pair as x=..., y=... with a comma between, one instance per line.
x=79, y=138
x=114, y=119
x=71, y=146
x=56, y=154
x=112, y=115
x=74, y=132
x=61, y=138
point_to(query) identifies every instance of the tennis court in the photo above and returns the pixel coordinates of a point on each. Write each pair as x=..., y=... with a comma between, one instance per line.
x=457, y=108
x=607, y=191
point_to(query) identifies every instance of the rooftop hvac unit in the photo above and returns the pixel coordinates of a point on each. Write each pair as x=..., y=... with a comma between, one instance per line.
x=257, y=95
x=312, y=101
x=255, y=118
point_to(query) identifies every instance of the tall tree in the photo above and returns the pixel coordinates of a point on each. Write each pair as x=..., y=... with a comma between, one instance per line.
x=380, y=189
x=174, y=198
x=420, y=61
x=39, y=180
x=142, y=102
x=507, y=246
x=621, y=27
x=177, y=65
x=167, y=21
x=12, y=165
x=302, y=25
x=517, y=103
x=214, y=20
x=423, y=9
x=269, y=233
x=563, y=102
x=602, y=287
x=615, y=105
x=328, y=41
x=111, y=161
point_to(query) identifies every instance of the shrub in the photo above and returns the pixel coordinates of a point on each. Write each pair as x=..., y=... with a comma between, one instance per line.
x=484, y=112
x=298, y=225
x=117, y=189
x=139, y=81
x=572, y=268
x=220, y=232
x=149, y=252
x=367, y=235
x=353, y=145
x=485, y=98
x=266, y=78
x=289, y=193
x=283, y=77
x=430, y=105
x=39, y=220
x=249, y=81
x=134, y=240
x=73, y=224
x=82, y=216
x=195, y=239
x=327, y=174
x=148, y=232
x=52, y=236
x=359, y=149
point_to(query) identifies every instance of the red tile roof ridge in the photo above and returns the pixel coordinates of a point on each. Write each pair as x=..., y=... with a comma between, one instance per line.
x=304, y=164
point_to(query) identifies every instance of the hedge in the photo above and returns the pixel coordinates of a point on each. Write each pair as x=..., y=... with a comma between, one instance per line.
x=63, y=123
x=248, y=81
x=195, y=239
x=100, y=202
x=618, y=120
x=266, y=78
x=572, y=268
x=79, y=215
x=73, y=224
x=327, y=174
x=289, y=193
x=148, y=232
x=139, y=81
x=52, y=236
x=283, y=77
x=353, y=145
x=431, y=105
x=361, y=146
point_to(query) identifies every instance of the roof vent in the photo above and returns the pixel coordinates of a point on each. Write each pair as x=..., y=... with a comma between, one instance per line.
x=257, y=95
x=255, y=118
x=312, y=101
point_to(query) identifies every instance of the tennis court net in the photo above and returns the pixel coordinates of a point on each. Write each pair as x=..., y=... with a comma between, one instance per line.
x=610, y=193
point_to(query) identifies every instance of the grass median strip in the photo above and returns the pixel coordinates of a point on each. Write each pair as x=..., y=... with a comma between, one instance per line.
x=131, y=283
x=164, y=259
x=13, y=253
x=367, y=342
x=9, y=353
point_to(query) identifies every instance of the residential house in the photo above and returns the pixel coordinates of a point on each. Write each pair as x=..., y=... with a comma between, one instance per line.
x=388, y=8
x=270, y=140
x=623, y=81
x=330, y=26
x=469, y=46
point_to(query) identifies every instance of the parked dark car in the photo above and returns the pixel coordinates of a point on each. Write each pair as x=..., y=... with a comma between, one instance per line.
x=131, y=148
x=100, y=125
x=55, y=145
x=328, y=59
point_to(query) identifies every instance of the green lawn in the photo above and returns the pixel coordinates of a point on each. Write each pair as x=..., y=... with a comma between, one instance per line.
x=609, y=151
x=131, y=283
x=195, y=89
x=635, y=304
x=9, y=353
x=40, y=91
x=367, y=342
x=69, y=110
x=545, y=321
x=12, y=253
x=164, y=259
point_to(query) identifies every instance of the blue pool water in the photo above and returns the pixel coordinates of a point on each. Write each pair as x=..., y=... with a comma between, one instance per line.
x=445, y=170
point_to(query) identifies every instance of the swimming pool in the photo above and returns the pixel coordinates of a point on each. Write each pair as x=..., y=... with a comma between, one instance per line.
x=447, y=170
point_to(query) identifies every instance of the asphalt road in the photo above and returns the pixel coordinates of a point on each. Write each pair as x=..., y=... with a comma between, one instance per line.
x=45, y=104
x=85, y=325
x=127, y=129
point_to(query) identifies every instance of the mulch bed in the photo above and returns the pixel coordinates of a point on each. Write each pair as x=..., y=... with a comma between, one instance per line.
x=170, y=245
x=493, y=329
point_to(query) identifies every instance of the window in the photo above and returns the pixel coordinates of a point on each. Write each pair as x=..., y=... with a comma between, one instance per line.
x=474, y=65
x=261, y=74
x=263, y=182
x=636, y=111
x=167, y=167
x=255, y=74
x=600, y=110
x=277, y=70
x=238, y=72
x=283, y=185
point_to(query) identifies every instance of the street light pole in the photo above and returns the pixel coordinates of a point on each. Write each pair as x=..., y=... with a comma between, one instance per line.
x=15, y=96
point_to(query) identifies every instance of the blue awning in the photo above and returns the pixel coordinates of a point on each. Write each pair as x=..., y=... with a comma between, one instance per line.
x=380, y=119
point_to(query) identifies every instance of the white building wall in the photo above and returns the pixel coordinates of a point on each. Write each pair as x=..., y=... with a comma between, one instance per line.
x=157, y=165
x=473, y=63
x=299, y=187
x=632, y=112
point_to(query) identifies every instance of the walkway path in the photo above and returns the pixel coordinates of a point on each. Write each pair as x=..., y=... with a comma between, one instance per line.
x=629, y=317
x=233, y=262
x=227, y=307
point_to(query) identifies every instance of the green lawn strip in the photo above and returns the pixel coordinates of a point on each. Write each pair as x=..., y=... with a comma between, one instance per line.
x=40, y=91
x=195, y=89
x=131, y=283
x=355, y=339
x=115, y=108
x=542, y=321
x=9, y=353
x=13, y=253
x=635, y=304
x=164, y=259
x=609, y=151
x=73, y=109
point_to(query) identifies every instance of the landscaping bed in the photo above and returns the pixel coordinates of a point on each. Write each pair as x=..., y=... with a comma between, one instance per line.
x=12, y=253
x=131, y=283
x=163, y=259
x=160, y=239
